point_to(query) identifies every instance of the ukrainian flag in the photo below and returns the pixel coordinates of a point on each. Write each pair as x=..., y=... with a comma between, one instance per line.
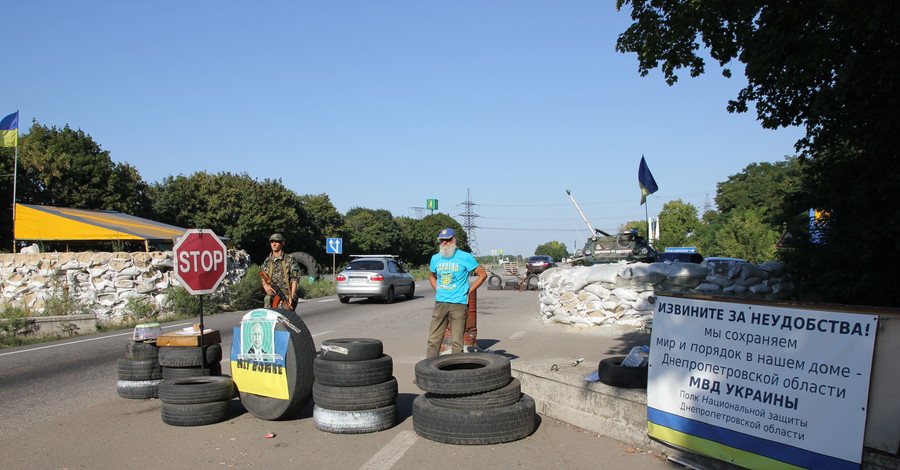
x=9, y=130
x=646, y=181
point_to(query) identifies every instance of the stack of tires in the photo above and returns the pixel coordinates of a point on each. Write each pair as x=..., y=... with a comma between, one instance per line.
x=354, y=389
x=180, y=362
x=196, y=401
x=139, y=372
x=471, y=399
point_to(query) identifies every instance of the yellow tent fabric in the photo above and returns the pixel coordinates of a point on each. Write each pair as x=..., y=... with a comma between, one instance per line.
x=60, y=223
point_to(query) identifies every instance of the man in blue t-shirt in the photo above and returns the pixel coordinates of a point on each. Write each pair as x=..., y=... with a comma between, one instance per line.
x=450, y=270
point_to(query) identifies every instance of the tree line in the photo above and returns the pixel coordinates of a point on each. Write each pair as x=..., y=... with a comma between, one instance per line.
x=65, y=167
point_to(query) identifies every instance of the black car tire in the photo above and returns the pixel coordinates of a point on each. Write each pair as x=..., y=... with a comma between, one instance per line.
x=532, y=281
x=495, y=281
x=344, y=299
x=462, y=373
x=503, y=396
x=172, y=373
x=189, y=356
x=298, y=361
x=195, y=414
x=389, y=297
x=412, y=291
x=353, y=373
x=355, y=398
x=196, y=390
x=141, y=350
x=354, y=422
x=613, y=373
x=307, y=261
x=138, y=369
x=474, y=427
x=138, y=389
x=351, y=349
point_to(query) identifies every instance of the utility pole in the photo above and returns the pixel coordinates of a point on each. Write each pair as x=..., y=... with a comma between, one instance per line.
x=469, y=222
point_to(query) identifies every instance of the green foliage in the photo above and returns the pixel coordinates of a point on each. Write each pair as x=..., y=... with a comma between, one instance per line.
x=14, y=323
x=185, y=305
x=62, y=302
x=761, y=186
x=743, y=234
x=235, y=206
x=248, y=292
x=312, y=290
x=677, y=223
x=838, y=79
x=555, y=249
x=371, y=231
x=419, y=237
x=139, y=310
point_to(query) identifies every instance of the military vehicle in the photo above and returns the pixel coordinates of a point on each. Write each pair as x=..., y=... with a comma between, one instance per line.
x=605, y=248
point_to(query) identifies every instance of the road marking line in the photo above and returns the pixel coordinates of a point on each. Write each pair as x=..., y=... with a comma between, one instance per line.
x=327, y=300
x=391, y=453
x=517, y=335
x=322, y=333
x=96, y=338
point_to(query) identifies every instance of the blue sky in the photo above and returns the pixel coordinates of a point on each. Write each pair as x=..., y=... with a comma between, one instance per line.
x=384, y=104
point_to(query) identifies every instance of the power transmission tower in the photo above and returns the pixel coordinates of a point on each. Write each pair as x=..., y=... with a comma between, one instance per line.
x=469, y=222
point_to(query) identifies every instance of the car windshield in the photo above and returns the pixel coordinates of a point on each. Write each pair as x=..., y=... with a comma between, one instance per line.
x=365, y=265
x=535, y=259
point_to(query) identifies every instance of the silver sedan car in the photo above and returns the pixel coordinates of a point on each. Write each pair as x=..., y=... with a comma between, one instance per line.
x=374, y=276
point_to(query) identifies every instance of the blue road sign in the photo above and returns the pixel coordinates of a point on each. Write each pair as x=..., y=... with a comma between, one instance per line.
x=334, y=245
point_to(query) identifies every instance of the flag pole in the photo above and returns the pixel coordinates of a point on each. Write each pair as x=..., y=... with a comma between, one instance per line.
x=15, y=177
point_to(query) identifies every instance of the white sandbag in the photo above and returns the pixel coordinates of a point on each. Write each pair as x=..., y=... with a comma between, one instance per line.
x=751, y=270
x=688, y=270
x=774, y=268
x=598, y=290
x=625, y=294
x=585, y=296
x=720, y=281
x=708, y=287
x=736, y=288
x=760, y=289
x=606, y=273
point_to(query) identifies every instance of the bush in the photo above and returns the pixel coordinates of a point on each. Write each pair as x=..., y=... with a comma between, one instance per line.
x=63, y=303
x=186, y=305
x=246, y=293
x=13, y=322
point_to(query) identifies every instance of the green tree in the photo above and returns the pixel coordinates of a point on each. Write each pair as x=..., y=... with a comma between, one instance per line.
x=830, y=66
x=235, y=206
x=555, y=249
x=419, y=237
x=677, y=223
x=743, y=234
x=761, y=186
x=371, y=231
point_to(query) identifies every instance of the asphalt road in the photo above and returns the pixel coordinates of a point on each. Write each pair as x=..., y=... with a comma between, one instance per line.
x=60, y=408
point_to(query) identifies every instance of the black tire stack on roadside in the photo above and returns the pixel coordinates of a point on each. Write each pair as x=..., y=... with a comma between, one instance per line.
x=471, y=399
x=179, y=362
x=139, y=372
x=354, y=389
x=196, y=401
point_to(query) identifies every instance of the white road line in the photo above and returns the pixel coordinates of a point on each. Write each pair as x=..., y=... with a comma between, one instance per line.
x=322, y=333
x=95, y=338
x=517, y=335
x=327, y=300
x=391, y=453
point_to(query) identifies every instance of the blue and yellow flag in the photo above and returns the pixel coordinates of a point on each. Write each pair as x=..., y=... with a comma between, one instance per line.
x=9, y=130
x=645, y=179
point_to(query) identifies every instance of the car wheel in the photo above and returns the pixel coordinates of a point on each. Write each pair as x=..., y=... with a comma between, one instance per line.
x=613, y=373
x=412, y=291
x=344, y=299
x=389, y=298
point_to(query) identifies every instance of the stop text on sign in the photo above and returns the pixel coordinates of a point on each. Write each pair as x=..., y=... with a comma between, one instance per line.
x=205, y=260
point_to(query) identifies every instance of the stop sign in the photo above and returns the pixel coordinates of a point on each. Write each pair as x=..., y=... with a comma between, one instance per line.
x=200, y=261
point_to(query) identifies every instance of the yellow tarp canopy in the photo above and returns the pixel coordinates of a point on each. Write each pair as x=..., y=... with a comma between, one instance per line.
x=62, y=223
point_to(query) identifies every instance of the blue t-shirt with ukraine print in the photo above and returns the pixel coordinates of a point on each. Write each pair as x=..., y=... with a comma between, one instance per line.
x=453, y=276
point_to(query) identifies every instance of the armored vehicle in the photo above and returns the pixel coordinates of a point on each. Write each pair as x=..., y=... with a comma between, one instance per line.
x=606, y=248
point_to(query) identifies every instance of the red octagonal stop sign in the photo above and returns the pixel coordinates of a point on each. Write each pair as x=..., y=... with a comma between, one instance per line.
x=200, y=261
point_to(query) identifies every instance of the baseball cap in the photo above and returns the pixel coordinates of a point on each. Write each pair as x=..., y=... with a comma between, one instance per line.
x=446, y=233
x=276, y=237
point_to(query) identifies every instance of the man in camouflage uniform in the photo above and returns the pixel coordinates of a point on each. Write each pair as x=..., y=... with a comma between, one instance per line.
x=282, y=270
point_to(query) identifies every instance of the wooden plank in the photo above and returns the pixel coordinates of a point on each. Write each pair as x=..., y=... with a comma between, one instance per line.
x=193, y=339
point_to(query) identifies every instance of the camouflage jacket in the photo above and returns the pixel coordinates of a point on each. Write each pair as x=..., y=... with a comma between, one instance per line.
x=282, y=270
